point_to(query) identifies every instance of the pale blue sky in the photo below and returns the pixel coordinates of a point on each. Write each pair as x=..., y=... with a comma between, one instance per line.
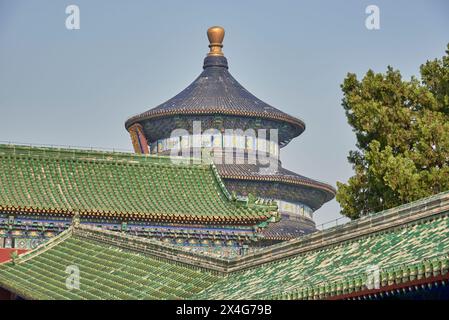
x=78, y=87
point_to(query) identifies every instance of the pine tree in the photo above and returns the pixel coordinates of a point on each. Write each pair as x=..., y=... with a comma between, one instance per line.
x=402, y=131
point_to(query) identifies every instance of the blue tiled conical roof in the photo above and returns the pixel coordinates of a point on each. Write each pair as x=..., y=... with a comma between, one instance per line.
x=216, y=92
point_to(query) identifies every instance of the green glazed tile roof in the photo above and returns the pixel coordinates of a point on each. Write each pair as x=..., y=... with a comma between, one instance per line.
x=117, y=185
x=106, y=272
x=322, y=271
x=409, y=251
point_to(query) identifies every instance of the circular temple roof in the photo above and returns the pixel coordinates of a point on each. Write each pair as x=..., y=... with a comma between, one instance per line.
x=215, y=92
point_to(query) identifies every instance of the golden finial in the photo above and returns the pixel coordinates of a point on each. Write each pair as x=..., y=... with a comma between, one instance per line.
x=215, y=36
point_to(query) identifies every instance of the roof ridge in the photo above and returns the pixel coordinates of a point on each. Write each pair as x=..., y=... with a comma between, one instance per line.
x=78, y=154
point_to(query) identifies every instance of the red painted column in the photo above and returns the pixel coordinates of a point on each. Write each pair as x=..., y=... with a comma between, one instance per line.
x=138, y=139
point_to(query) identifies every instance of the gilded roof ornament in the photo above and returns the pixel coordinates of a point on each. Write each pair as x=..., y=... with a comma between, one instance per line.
x=215, y=35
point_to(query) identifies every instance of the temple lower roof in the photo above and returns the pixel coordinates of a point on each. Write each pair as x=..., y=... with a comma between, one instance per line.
x=289, y=227
x=253, y=172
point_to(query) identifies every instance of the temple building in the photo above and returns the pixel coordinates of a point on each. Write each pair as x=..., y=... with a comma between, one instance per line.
x=244, y=136
x=203, y=214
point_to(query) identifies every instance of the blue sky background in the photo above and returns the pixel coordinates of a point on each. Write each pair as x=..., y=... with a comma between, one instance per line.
x=78, y=87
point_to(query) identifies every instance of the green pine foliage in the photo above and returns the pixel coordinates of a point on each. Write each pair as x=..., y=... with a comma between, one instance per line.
x=402, y=131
